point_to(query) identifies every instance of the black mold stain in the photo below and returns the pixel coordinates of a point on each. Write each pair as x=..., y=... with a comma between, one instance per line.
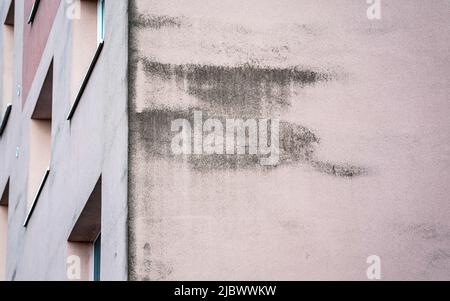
x=241, y=90
x=342, y=171
x=229, y=91
x=158, y=270
x=132, y=190
x=293, y=227
x=308, y=29
x=147, y=247
x=155, y=22
x=439, y=258
x=428, y=231
x=154, y=269
x=297, y=145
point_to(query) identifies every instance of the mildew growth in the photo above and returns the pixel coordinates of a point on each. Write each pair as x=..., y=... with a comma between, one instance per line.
x=143, y=21
x=237, y=90
x=426, y=231
x=298, y=145
x=341, y=171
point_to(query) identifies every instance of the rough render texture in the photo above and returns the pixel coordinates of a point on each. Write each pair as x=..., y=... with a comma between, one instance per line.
x=365, y=140
x=93, y=143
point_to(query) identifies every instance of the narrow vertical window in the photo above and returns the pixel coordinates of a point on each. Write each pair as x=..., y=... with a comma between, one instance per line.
x=7, y=61
x=100, y=21
x=85, y=239
x=4, y=202
x=88, y=33
x=97, y=257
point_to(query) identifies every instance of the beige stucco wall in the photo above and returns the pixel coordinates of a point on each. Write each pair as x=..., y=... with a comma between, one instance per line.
x=84, y=35
x=40, y=155
x=367, y=171
x=84, y=253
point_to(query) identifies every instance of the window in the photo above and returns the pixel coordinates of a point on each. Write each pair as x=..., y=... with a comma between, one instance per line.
x=33, y=12
x=87, y=43
x=40, y=143
x=100, y=21
x=4, y=202
x=85, y=240
x=97, y=257
x=7, y=61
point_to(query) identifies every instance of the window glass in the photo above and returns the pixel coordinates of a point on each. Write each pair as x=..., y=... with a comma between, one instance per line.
x=97, y=258
x=101, y=21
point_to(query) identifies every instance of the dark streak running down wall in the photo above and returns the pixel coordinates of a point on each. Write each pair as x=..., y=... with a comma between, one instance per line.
x=297, y=145
x=240, y=92
x=237, y=91
x=156, y=22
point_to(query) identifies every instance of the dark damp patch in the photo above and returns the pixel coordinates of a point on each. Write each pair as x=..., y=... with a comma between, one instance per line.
x=308, y=29
x=298, y=144
x=247, y=89
x=342, y=171
x=427, y=231
x=155, y=269
x=155, y=22
x=439, y=258
x=224, y=162
x=152, y=129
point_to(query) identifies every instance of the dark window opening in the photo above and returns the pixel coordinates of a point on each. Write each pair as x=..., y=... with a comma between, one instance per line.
x=85, y=239
x=4, y=203
x=7, y=68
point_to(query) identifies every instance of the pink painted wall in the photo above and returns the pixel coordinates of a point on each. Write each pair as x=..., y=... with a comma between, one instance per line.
x=35, y=37
x=387, y=110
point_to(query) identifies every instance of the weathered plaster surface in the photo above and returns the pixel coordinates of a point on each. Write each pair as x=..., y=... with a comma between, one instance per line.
x=366, y=132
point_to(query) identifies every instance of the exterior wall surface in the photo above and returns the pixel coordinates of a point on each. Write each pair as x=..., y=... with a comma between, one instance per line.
x=365, y=137
x=35, y=38
x=93, y=143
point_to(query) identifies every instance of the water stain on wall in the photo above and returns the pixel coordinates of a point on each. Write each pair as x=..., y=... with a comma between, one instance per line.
x=243, y=92
x=156, y=270
x=249, y=90
x=237, y=90
x=156, y=22
x=298, y=144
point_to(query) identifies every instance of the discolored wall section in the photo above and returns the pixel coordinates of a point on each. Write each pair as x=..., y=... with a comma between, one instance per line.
x=364, y=140
x=35, y=38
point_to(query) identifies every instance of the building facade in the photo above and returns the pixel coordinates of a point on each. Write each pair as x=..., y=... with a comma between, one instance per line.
x=55, y=187
x=120, y=156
